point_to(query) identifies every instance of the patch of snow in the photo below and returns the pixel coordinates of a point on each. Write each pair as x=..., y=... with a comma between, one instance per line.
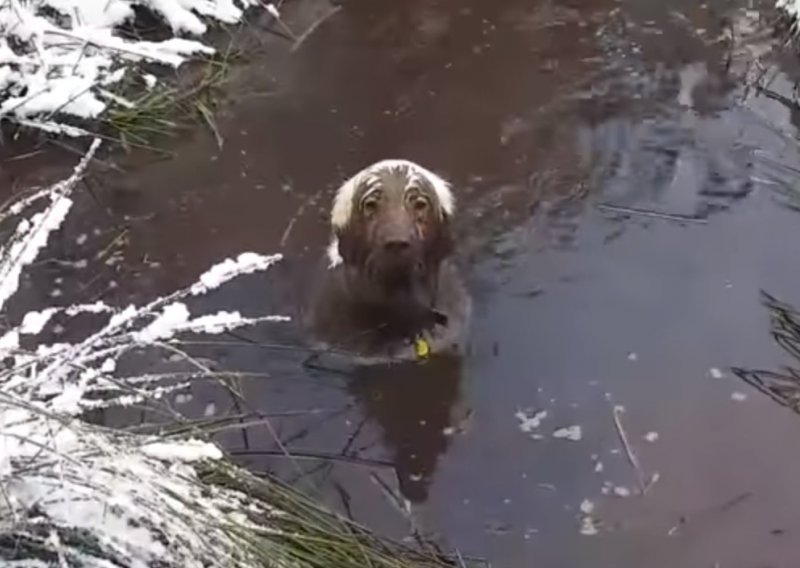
x=574, y=433
x=150, y=81
x=589, y=526
x=176, y=318
x=96, y=308
x=184, y=450
x=738, y=396
x=620, y=491
x=273, y=11
x=228, y=269
x=528, y=423
x=34, y=322
x=9, y=341
x=165, y=325
x=108, y=366
x=651, y=436
x=182, y=398
x=587, y=507
x=792, y=7
x=715, y=373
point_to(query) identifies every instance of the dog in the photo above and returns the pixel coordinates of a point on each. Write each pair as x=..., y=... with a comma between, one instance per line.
x=391, y=289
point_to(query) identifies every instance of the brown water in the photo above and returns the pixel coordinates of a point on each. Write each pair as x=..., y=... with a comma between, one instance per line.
x=538, y=111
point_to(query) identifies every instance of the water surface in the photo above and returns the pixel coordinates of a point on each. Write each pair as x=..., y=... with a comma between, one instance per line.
x=540, y=112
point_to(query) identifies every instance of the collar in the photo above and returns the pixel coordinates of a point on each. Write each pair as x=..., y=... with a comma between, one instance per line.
x=422, y=341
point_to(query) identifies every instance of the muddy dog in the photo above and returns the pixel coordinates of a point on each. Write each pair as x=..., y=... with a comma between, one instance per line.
x=391, y=290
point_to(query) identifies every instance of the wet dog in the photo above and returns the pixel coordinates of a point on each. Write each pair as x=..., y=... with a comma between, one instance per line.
x=391, y=284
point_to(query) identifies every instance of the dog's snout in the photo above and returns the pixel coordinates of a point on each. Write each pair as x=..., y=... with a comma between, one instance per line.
x=396, y=232
x=397, y=246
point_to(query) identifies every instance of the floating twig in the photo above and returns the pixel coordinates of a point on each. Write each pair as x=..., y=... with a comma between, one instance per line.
x=312, y=28
x=648, y=213
x=617, y=411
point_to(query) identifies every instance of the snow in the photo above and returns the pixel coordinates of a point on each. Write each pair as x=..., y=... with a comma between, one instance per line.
x=9, y=341
x=176, y=319
x=792, y=7
x=185, y=450
x=140, y=500
x=245, y=263
x=31, y=234
x=33, y=322
x=164, y=326
x=589, y=526
x=65, y=66
x=528, y=423
x=620, y=491
x=574, y=433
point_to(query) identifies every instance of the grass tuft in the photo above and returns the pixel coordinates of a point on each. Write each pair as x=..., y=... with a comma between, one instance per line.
x=781, y=386
x=172, y=106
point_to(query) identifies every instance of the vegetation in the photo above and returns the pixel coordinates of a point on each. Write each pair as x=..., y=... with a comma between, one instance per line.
x=73, y=493
x=781, y=386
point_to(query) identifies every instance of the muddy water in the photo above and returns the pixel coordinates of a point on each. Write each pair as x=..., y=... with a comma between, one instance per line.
x=541, y=113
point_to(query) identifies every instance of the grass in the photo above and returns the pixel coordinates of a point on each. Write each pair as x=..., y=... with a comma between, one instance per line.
x=206, y=512
x=781, y=386
x=74, y=493
x=312, y=536
x=167, y=110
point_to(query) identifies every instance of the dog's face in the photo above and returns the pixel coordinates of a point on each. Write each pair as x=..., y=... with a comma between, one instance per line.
x=391, y=222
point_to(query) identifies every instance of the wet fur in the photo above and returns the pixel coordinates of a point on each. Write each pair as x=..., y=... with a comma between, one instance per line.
x=372, y=304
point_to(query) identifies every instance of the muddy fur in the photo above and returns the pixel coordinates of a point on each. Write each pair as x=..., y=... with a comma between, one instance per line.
x=391, y=277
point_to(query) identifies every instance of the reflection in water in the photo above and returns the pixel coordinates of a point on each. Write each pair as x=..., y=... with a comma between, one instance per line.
x=412, y=403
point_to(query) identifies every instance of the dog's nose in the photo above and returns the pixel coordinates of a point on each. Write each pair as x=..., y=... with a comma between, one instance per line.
x=397, y=246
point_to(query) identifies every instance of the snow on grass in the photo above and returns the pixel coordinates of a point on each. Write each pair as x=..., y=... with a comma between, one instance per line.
x=80, y=493
x=791, y=7
x=141, y=503
x=31, y=234
x=76, y=494
x=59, y=57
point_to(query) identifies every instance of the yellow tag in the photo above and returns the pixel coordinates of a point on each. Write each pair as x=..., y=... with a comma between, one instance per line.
x=422, y=348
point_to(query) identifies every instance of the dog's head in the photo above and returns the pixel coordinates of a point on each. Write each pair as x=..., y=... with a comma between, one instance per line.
x=391, y=222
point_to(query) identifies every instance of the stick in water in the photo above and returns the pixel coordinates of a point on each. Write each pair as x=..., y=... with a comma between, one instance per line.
x=617, y=411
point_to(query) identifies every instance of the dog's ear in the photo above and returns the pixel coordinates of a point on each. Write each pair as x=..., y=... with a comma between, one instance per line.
x=441, y=242
x=352, y=243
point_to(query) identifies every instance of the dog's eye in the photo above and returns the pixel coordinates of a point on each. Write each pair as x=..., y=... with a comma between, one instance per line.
x=369, y=206
x=420, y=205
